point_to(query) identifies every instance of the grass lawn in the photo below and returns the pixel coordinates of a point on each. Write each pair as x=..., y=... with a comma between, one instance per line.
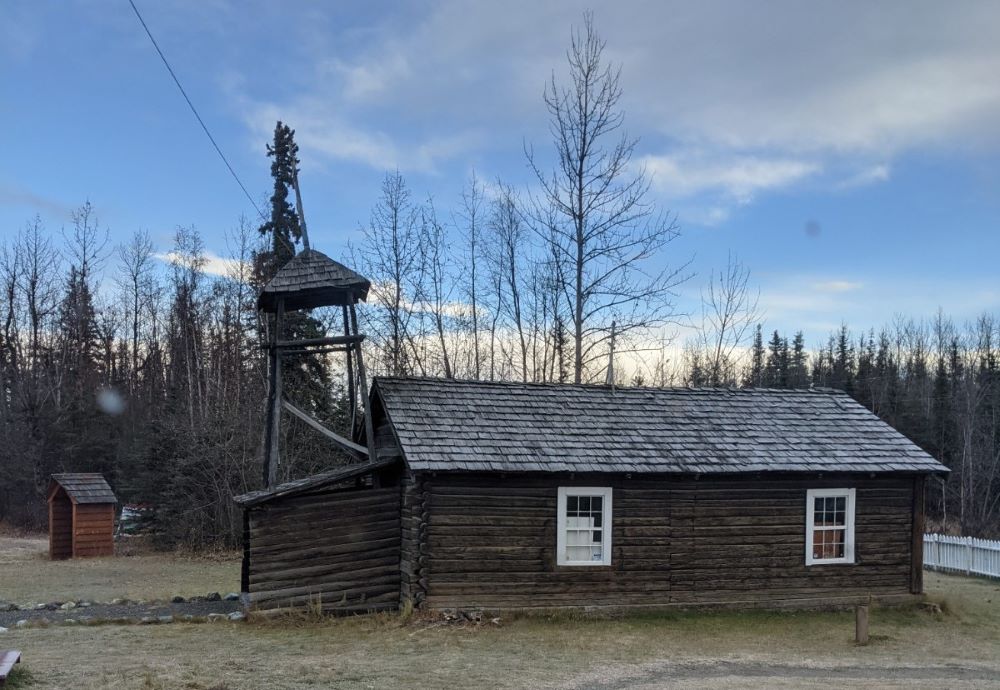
x=910, y=647
x=27, y=575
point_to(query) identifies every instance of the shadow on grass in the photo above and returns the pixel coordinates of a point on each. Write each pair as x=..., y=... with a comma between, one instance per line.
x=20, y=677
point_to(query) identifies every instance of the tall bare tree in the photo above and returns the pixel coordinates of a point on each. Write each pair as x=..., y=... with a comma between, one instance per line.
x=470, y=213
x=608, y=233
x=439, y=286
x=729, y=311
x=134, y=278
x=390, y=255
x=508, y=237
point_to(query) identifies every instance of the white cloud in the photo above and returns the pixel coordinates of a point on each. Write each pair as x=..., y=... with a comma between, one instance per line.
x=837, y=286
x=214, y=264
x=733, y=101
x=739, y=178
x=320, y=131
x=866, y=176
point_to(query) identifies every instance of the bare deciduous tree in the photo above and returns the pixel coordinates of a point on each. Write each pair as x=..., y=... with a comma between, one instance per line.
x=729, y=312
x=470, y=214
x=607, y=230
x=439, y=287
x=390, y=255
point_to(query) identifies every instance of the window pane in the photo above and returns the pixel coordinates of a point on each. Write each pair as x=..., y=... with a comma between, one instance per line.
x=596, y=520
x=597, y=535
x=595, y=503
x=578, y=553
x=836, y=543
x=572, y=503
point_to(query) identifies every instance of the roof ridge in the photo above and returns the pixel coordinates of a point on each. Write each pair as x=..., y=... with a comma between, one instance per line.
x=604, y=386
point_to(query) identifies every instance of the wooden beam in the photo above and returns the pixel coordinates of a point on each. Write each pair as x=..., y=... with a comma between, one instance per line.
x=317, y=342
x=317, y=351
x=273, y=421
x=349, y=446
x=363, y=384
x=351, y=393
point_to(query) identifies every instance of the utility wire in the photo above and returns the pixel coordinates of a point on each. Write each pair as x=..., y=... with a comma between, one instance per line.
x=195, y=111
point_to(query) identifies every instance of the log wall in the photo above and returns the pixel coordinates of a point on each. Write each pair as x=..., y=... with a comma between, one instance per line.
x=413, y=557
x=490, y=543
x=338, y=551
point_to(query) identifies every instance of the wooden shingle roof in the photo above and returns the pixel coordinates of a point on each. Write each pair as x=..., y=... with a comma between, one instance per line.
x=312, y=279
x=85, y=487
x=513, y=427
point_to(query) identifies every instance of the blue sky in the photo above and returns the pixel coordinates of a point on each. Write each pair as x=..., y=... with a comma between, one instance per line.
x=848, y=153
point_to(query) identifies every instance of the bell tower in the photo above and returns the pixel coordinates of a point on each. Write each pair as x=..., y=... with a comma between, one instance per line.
x=312, y=279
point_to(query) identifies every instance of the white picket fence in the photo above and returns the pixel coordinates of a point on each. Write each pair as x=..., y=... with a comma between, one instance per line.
x=962, y=555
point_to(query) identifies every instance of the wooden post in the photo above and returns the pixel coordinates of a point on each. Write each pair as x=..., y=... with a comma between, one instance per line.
x=298, y=209
x=273, y=421
x=245, y=566
x=917, y=538
x=351, y=392
x=363, y=381
x=861, y=624
x=968, y=555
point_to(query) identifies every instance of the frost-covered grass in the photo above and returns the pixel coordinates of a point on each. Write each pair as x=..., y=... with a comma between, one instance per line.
x=27, y=575
x=910, y=648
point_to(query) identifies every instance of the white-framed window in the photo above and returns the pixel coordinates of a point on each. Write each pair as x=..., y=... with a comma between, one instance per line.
x=829, y=526
x=584, y=526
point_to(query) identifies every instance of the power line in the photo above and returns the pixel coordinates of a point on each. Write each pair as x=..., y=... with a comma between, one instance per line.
x=195, y=111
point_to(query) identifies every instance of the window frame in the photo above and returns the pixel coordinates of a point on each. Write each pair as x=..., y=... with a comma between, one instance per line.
x=811, y=528
x=605, y=493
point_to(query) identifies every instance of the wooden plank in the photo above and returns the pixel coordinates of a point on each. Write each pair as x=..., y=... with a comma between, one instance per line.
x=7, y=660
x=348, y=446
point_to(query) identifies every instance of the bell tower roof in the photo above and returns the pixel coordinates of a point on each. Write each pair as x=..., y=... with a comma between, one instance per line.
x=312, y=279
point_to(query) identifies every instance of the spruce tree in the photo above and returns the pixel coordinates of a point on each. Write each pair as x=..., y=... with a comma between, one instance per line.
x=798, y=368
x=842, y=359
x=776, y=368
x=754, y=377
x=283, y=229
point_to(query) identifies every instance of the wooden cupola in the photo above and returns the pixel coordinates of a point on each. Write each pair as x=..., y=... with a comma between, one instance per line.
x=311, y=279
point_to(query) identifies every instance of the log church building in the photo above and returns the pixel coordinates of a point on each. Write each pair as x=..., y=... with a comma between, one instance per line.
x=501, y=496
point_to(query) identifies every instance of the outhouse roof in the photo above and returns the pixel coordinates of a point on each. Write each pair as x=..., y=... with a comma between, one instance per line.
x=85, y=487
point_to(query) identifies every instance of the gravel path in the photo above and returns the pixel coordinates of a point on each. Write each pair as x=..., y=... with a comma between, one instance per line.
x=128, y=610
x=669, y=674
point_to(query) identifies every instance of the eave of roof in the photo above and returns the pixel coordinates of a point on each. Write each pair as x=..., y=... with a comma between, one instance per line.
x=312, y=482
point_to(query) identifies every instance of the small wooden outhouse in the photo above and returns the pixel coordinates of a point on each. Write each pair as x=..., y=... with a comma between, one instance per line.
x=81, y=516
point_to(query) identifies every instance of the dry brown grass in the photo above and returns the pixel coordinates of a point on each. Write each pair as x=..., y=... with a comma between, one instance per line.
x=27, y=575
x=535, y=651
